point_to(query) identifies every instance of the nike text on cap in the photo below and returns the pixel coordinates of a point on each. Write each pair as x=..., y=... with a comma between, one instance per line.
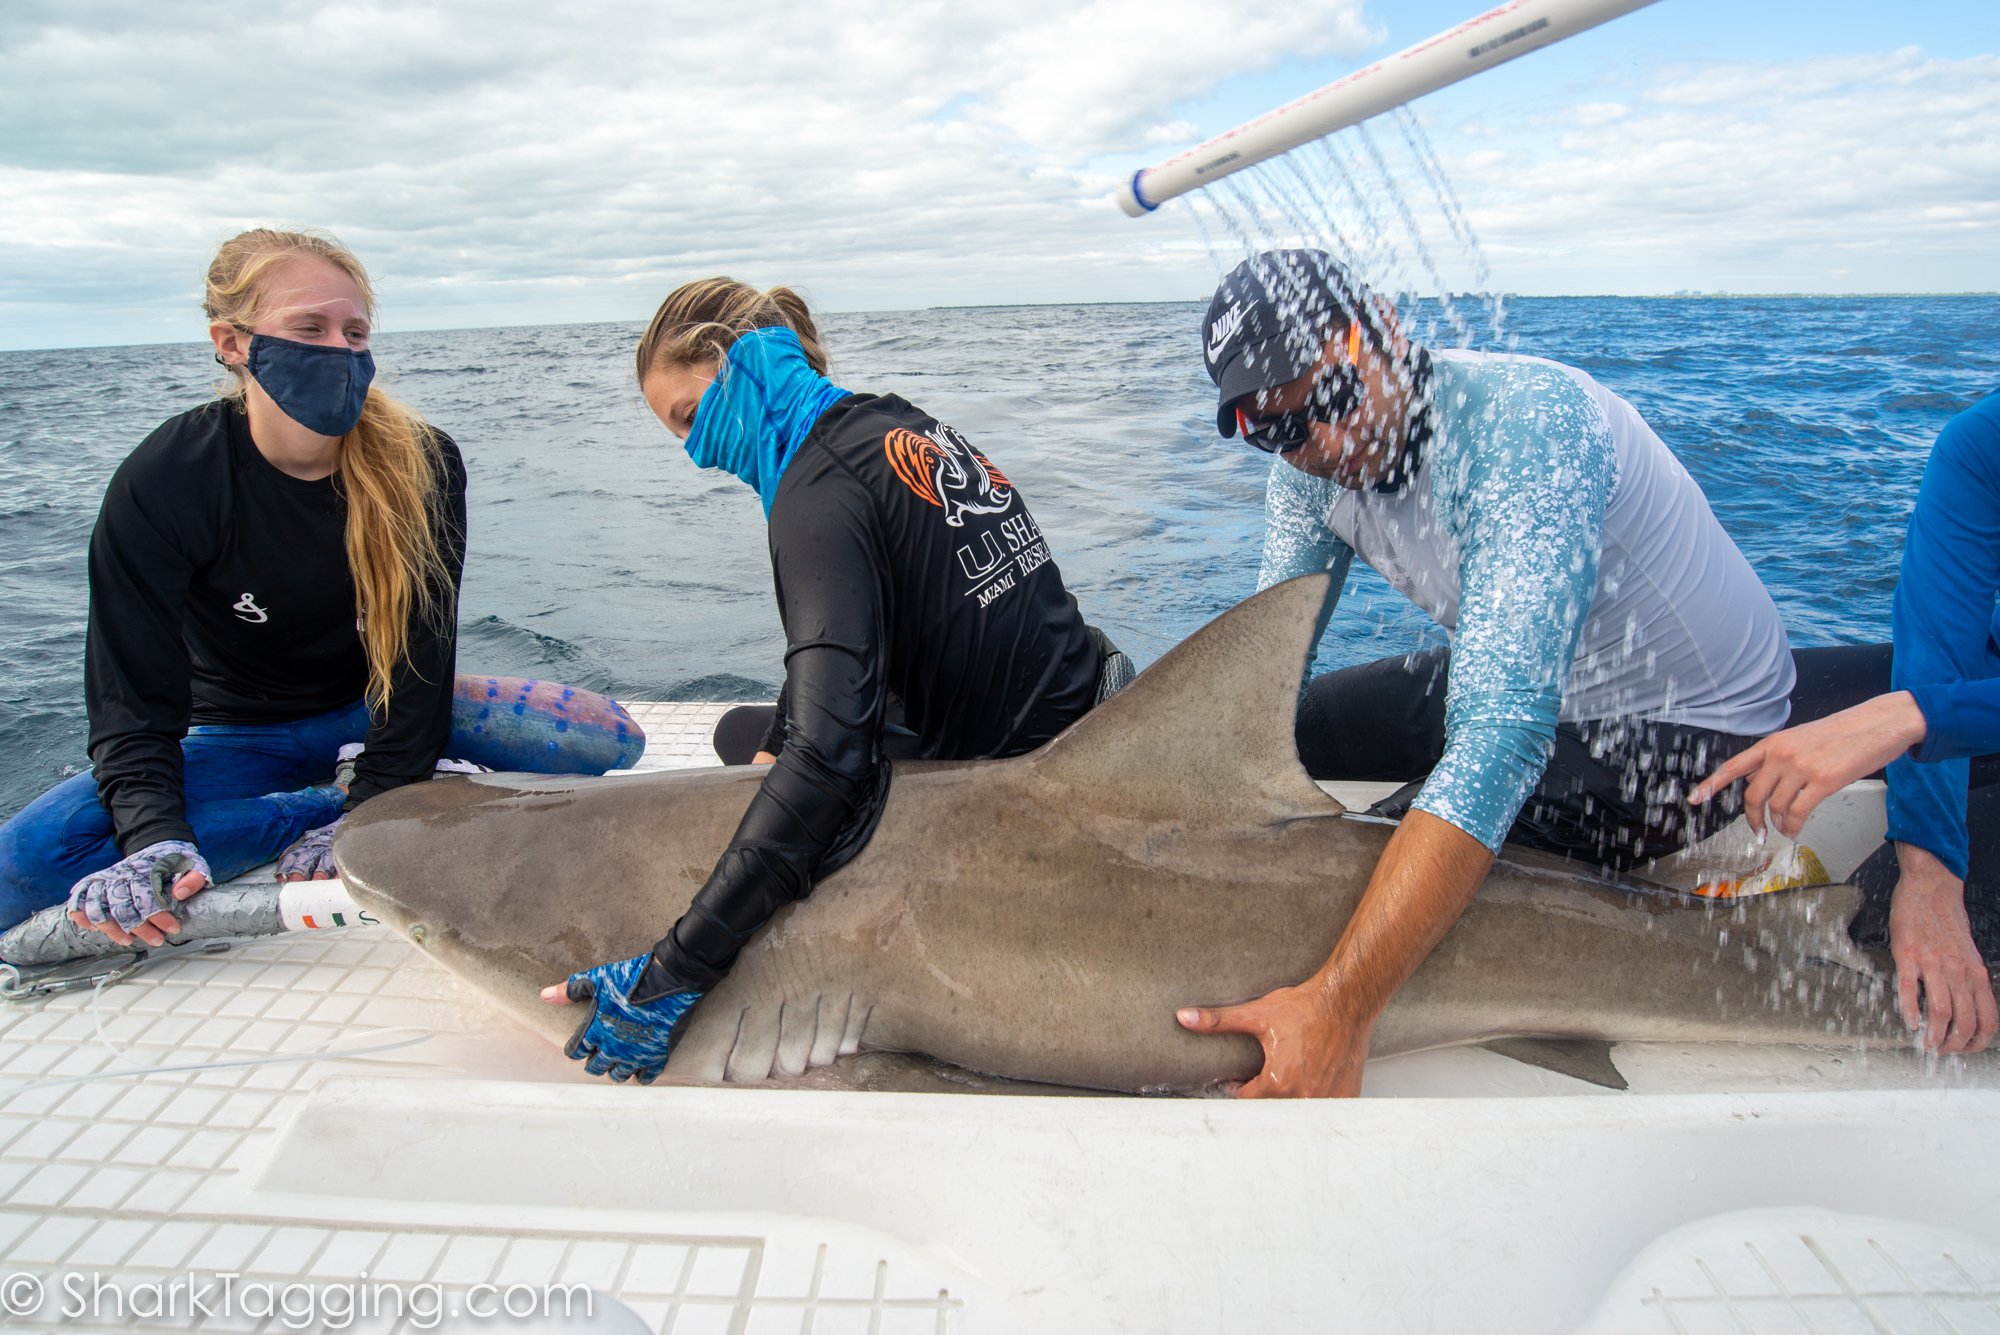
x=1268, y=322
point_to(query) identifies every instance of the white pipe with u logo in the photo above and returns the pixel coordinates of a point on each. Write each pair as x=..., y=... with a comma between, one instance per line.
x=1493, y=38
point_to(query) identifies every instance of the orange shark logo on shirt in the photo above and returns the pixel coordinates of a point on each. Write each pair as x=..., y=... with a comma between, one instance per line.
x=945, y=470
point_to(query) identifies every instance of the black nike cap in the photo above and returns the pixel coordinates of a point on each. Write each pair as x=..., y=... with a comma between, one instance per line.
x=1268, y=322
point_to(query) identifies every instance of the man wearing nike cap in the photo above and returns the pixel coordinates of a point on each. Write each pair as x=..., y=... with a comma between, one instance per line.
x=1609, y=643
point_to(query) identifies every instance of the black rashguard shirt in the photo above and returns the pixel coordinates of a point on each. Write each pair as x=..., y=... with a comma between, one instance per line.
x=905, y=563
x=220, y=593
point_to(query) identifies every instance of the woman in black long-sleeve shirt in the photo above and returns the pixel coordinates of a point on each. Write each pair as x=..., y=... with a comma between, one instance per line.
x=273, y=575
x=908, y=570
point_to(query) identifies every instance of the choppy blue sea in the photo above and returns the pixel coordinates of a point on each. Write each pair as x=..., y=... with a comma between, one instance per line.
x=600, y=556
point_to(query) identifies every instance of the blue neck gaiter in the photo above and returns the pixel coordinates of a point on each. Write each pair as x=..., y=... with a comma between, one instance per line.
x=763, y=402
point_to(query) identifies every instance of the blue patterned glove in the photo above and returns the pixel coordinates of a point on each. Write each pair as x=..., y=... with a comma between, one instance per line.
x=622, y=1038
x=132, y=890
x=311, y=854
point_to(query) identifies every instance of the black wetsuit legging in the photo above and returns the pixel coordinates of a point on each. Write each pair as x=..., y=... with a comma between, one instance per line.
x=1611, y=793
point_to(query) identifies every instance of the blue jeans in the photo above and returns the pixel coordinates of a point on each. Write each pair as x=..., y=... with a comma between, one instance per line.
x=252, y=788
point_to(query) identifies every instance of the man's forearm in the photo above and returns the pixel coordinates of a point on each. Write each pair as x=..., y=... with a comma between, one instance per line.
x=1426, y=877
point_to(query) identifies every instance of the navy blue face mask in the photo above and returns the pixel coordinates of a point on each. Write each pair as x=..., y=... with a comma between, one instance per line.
x=321, y=388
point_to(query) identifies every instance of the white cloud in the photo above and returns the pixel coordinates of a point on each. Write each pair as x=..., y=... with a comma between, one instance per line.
x=513, y=162
x=1100, y=75
x=1836, y=173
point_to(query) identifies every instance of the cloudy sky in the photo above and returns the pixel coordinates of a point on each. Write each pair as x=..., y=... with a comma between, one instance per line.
x=516, y=162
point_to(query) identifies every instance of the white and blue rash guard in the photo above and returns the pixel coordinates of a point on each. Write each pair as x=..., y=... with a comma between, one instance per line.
x=1572, y=558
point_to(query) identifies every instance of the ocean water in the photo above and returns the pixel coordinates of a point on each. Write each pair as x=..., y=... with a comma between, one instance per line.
x=602, y=557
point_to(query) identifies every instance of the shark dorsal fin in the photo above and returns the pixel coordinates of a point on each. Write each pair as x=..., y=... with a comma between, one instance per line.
x=1205, y=735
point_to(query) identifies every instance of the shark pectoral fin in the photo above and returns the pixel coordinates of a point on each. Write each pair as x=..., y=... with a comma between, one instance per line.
x=1208, y=730
x=1586, y=1059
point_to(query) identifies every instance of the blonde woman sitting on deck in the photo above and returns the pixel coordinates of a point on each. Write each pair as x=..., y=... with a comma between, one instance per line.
x=273, y=581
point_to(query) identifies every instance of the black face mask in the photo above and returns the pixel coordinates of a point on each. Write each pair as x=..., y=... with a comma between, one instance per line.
x=321, y=388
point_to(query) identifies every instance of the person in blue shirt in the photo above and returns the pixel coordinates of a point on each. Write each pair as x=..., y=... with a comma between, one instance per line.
x=1609, y=643
x=1942, y=709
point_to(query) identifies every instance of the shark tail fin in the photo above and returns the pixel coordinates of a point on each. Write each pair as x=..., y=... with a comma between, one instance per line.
x=1205, y=735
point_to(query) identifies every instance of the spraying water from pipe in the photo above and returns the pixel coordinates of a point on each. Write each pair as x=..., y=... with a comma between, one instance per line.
x=1493, y=38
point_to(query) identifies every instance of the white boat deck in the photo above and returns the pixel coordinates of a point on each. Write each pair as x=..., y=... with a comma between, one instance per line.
x=1731, y=1190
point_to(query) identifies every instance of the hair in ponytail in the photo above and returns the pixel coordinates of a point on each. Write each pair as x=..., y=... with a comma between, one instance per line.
x=390, y=468
x=700, y=320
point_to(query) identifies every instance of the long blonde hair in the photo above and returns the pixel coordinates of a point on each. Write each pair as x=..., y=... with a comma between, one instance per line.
x=700, y=320
x=390, y=468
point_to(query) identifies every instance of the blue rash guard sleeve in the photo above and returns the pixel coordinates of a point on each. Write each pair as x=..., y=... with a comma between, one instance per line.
x=1526, y=510
x=1297, y=538
x=1945, y=628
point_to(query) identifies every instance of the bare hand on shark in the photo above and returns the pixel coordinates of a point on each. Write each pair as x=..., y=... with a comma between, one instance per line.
x=1943, y=988
x=1315, y=1035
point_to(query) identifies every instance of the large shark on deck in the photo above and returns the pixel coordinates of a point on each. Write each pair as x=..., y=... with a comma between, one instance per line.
x=1041, y=918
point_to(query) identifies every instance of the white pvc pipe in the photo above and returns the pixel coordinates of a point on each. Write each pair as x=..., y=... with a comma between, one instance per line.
x=238, y=909
x=1495, y=37
x=309, y=906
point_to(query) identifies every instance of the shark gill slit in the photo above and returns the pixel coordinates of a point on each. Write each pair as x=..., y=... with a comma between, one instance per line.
x=839, y=1034
x=729, y=1058
x=777, y=1040
x=819, y=1005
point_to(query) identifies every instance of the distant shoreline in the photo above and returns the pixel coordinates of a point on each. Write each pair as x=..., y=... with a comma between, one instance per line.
x=1505, y=296
x=1078, y=305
